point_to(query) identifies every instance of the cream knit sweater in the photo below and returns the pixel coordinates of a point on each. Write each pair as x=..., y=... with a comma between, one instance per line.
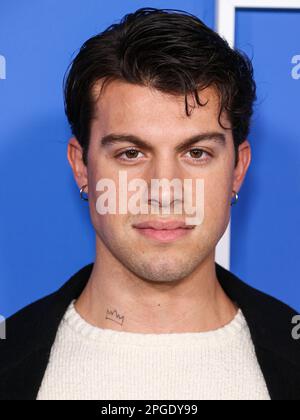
x=90, y=363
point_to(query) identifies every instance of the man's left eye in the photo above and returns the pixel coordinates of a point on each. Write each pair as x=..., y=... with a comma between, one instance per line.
x=196, y=154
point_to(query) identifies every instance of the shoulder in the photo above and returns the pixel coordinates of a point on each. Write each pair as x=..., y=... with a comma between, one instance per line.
x=34, y=327
x=26, y=331
x=30, y=334
x=274, y=325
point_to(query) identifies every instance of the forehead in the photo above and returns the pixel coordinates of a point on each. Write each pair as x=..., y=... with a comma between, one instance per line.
x=140, y=109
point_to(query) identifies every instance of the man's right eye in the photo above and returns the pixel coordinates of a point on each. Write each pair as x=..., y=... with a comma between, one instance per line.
x=131, y=154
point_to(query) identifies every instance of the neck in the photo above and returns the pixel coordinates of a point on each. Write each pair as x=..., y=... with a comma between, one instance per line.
x=114, y=298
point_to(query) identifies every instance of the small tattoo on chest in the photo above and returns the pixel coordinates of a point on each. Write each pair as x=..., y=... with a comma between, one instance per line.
x=114, y=316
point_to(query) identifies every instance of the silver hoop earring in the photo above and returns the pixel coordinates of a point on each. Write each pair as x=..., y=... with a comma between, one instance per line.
x=84, y=198
x=236, y=198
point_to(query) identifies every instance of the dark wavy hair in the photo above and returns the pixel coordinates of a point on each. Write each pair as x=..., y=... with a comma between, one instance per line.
x=170, y=50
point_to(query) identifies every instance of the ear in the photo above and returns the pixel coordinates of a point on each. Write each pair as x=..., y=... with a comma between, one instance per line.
x=75, y=158
x=244, y=159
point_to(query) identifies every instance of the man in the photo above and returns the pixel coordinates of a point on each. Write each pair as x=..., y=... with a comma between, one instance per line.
x=158, y=96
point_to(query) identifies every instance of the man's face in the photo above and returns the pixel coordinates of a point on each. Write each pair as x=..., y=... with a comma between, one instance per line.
x=161, y=121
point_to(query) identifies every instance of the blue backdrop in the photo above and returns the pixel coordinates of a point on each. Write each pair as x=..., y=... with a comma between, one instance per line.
x=266, y=223
x=45, y=230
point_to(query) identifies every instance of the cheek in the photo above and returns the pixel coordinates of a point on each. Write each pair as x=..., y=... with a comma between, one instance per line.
x=217, y=195
x=112, y=229
x=99, y=169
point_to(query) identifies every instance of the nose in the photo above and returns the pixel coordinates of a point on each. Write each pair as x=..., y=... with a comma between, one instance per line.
x=165, y=184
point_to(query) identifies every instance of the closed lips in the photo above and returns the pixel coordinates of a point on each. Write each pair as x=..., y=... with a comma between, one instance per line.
x=167, y=225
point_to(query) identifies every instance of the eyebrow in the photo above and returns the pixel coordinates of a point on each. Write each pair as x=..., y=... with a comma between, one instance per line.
x=114, y=138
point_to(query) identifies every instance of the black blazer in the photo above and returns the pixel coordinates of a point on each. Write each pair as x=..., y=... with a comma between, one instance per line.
x=30, y=333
